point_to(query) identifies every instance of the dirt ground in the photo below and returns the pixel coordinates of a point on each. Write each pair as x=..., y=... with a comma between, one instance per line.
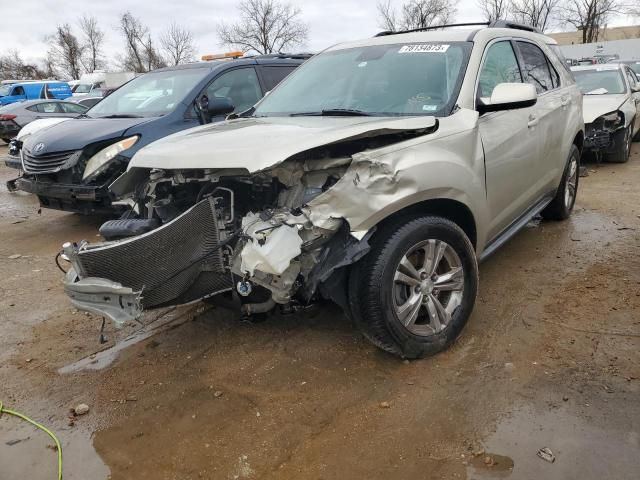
x=550, y=358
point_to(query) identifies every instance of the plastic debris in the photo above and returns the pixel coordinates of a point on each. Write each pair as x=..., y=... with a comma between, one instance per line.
x=547, y=455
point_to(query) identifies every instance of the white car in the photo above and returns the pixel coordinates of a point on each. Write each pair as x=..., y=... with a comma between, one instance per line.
x=611, y=109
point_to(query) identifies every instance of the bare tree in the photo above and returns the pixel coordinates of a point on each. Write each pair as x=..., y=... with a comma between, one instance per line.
x=141, y=54
x=265, y=26
x=415, y=14
x=66, y=51
x=494, y=9
x=589, y=16
x=93, y=39
x=177, y=44
x=12, y=67
x=537, y=13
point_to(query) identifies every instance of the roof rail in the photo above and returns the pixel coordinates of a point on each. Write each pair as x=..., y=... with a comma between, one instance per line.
x=494, y=24
x=508, y=24
x=433, y=27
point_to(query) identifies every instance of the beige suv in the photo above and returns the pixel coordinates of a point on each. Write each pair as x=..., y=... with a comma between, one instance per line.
x=376, y=176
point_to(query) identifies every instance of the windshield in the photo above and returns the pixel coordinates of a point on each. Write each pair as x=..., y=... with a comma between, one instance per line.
x=4, y=90
x=599, y=81
x=380, y=80
x=82, y=88
x=150, y=95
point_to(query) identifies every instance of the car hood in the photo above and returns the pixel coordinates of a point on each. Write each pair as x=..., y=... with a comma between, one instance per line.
x=38, y=125
x=594, y=106
x=80, y=132
x=257, y=143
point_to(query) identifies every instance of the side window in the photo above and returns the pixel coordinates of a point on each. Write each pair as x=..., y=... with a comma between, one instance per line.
x=72, y=108
x=48, y=107
x=240, y=86
x=33, y=108
x=273, y=75
x=18, y=91
x=535, y=67
x=555, y=77
x=500, y=66
x=632, y=77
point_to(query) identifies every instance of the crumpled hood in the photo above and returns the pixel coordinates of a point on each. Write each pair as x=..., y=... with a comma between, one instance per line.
x=594, y=106
x=259, y=143
x=77, y=133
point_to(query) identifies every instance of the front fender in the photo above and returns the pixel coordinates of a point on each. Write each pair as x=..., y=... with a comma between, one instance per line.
x=380, y=183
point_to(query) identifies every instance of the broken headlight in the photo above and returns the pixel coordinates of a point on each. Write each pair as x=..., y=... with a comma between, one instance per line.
x=612, y=120
x=100, y=161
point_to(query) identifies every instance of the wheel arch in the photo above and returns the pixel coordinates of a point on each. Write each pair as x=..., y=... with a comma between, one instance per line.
x=453, y=210
x=578, y=141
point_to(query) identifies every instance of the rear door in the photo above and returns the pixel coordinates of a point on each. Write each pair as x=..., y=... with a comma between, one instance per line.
x=552, y=110
x=509, y=139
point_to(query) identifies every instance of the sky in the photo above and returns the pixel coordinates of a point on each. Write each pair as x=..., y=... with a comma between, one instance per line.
x=330, y=21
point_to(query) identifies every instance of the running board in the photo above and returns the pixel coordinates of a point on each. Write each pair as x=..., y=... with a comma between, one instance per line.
x=515, y=227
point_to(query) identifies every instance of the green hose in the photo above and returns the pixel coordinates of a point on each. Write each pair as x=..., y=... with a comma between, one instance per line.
x=41, y=427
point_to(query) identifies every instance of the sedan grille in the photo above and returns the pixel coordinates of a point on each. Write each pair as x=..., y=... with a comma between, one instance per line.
x=177, y=263
x=50, y=162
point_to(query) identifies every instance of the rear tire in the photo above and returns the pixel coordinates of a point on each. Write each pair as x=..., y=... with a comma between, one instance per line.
x=623, y=147
x=562, y=204
x=412, y=294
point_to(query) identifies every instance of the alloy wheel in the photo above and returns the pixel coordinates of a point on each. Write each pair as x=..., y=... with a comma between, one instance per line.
x=428, y=286
x=571, y=183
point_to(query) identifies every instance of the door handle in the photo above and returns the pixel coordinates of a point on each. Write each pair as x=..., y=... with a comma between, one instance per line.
x=564, y=101
x=533, y=121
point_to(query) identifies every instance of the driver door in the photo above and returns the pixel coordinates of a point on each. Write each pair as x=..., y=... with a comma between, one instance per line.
x=510, y=142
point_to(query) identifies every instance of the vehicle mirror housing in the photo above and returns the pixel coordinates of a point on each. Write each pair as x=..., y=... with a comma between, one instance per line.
x=220, y=106
x=509, y=96
x=636, y=87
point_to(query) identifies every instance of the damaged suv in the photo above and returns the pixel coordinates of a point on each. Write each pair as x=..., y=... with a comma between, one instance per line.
x=375, y=176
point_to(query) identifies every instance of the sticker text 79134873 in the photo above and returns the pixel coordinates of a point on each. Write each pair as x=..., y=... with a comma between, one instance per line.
x=424, y=48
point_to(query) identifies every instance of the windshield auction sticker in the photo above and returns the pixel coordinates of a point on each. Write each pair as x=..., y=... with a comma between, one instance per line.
x=424, y=48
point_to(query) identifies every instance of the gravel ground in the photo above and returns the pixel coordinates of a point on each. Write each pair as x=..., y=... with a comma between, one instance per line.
x=550, y=358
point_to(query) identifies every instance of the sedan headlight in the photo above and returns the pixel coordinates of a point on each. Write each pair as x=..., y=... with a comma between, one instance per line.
x=613, y=120
x=101, y=160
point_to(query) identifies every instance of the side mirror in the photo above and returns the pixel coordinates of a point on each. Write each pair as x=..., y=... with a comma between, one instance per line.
x=220, y=106
x=636, y=87
x=509, y=96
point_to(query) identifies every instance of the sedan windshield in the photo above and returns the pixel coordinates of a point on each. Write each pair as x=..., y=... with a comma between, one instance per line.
x=598, y=81
x=380, y=80
x=150, y=95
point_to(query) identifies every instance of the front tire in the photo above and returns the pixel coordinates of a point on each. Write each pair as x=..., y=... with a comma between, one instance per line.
x=562, y=204
x=412, y=294
x=623, y=147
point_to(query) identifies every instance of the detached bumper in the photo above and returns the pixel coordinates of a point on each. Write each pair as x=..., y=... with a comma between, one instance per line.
x=177, y=263
x=13, y=162
x=86, y=199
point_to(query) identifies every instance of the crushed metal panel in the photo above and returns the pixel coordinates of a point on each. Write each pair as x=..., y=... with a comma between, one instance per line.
x=103, y=297
x=380, y=182
x=177, y=263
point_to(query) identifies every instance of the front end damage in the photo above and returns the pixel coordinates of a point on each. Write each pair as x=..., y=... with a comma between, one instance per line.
x=602, y=136
x=256, y=239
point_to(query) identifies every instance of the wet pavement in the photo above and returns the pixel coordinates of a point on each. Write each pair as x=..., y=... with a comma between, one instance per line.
x=550, y=358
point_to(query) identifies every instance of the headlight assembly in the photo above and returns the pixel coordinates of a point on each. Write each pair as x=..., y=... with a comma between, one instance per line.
x=613, y=120
x=101, y=160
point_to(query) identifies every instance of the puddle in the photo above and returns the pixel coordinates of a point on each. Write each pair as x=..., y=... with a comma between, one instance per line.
x=582, y=449
x=27, y=453
x=104, y=358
